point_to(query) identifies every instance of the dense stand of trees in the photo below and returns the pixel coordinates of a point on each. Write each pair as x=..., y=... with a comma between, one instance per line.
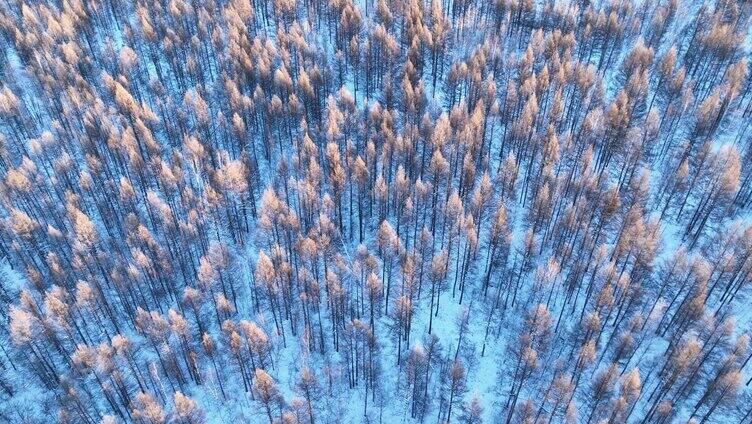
x=330, y=211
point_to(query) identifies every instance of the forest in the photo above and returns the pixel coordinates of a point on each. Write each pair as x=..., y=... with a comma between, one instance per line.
x=375, y=211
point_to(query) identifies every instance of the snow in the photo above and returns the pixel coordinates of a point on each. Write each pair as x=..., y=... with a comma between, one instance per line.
x=487, y=374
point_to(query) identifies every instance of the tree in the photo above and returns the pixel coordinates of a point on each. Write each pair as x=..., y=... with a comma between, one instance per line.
x=147, y=409
x=308, y=384
x=267, y=393
x=472, y=410
x=389, y=246
x=187, y=410
x=499, y=242
x=416, y=367
x=457, y=385
x=438, y=275
x=533, y=342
